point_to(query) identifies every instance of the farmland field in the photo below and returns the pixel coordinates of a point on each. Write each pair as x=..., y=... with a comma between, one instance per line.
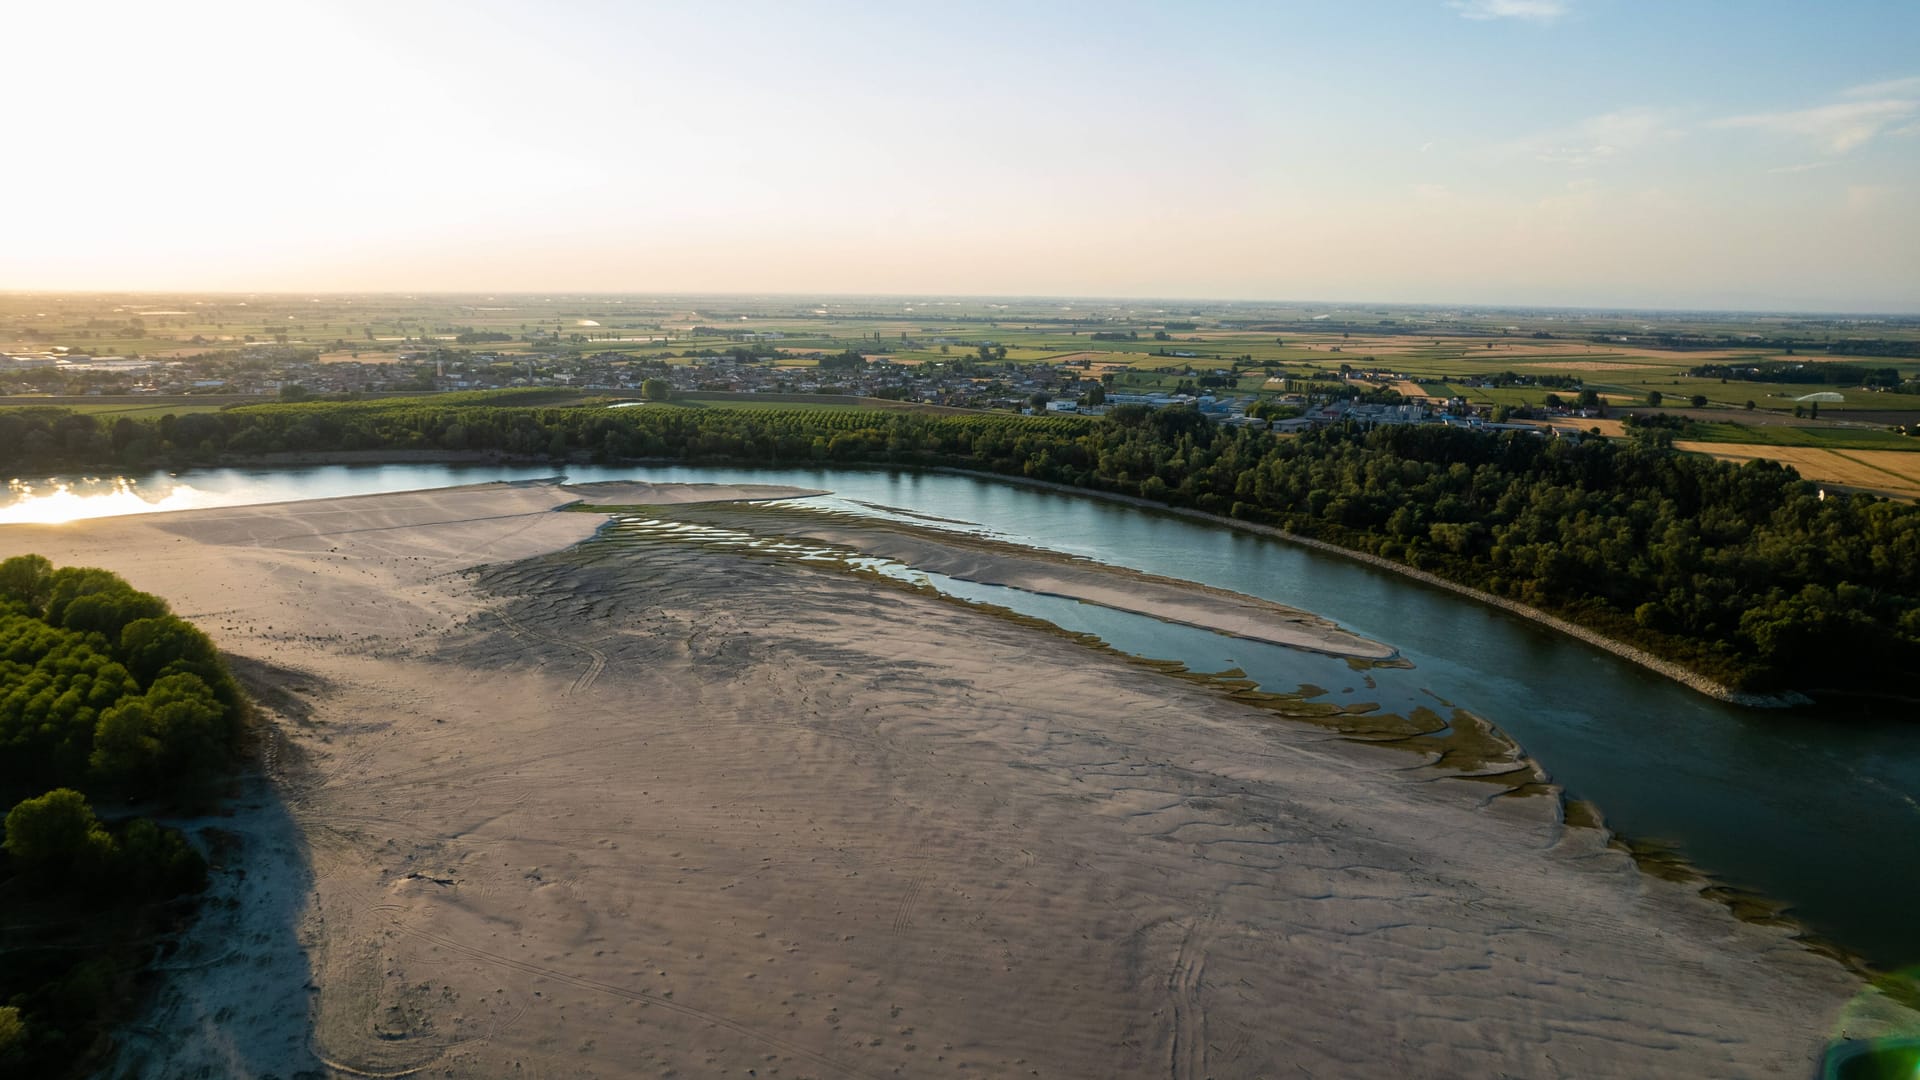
x=1888, y=471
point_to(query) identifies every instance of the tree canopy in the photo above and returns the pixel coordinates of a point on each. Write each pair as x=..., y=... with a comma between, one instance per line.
x=102, y=689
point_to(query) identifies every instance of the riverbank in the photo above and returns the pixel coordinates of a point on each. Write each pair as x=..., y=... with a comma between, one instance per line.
x=1693, y=680
x=582, y=807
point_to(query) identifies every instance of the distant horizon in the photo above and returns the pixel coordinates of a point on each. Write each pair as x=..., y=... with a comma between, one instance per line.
x=770, y=294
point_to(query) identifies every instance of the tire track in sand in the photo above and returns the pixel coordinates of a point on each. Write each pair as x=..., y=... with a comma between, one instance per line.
x=597, y=659
x=361, y=902
x=1187, y=1050
x=903, y=915
x=835, y=1067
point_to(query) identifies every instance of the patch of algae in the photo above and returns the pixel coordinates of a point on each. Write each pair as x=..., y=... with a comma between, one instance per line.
x=1660, y=858
x=1900, y=986
x=1466, y=743
x=1749, y=906
x=1581, y=814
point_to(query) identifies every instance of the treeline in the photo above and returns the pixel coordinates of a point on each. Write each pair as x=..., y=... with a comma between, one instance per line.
x=102, y=689
x=1508, y=378
x=1742, y=572
x=50, y=437
x=1873, y=347
x=1786, y=371
x=1661, y=429
x=848, y=360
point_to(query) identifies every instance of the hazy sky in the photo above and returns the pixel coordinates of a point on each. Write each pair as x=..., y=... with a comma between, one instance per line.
x=1601, y=152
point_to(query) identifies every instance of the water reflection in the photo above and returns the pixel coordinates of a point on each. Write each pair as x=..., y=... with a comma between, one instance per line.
x=56, y=502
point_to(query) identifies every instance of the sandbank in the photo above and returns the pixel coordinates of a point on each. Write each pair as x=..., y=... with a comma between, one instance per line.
x=647, y=493
x=532, y=806
x=991, y=562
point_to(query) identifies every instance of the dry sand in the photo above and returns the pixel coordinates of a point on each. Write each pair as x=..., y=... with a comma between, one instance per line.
x=657, y=809
x=991, y=562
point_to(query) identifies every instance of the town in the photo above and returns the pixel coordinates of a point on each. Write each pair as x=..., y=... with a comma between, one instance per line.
x=1266, y=395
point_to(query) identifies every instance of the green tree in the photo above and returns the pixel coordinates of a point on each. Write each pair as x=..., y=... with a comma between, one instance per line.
x=176, y=736
x=24, y=578
x=158, y=862
x=169, y=645
x=656, y=390
x=86, y=598
x=126, y=746
x=57, y=832
x=1654, y=398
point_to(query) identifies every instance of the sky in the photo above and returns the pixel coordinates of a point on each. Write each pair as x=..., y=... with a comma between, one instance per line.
x=1602, y=153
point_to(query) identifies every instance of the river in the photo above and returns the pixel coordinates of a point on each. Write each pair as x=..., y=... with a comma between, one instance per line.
x=1817, y=807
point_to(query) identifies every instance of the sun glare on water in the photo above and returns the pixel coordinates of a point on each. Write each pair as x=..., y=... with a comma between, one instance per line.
x=59, y=503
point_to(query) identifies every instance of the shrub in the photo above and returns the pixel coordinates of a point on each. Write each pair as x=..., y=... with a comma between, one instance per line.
x=23, y=578
x=57, y=833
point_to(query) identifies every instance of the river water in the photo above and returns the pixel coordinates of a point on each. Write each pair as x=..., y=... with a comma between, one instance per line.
x=1818, y=807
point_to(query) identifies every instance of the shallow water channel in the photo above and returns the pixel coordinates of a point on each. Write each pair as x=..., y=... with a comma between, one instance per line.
x=1818, y=807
